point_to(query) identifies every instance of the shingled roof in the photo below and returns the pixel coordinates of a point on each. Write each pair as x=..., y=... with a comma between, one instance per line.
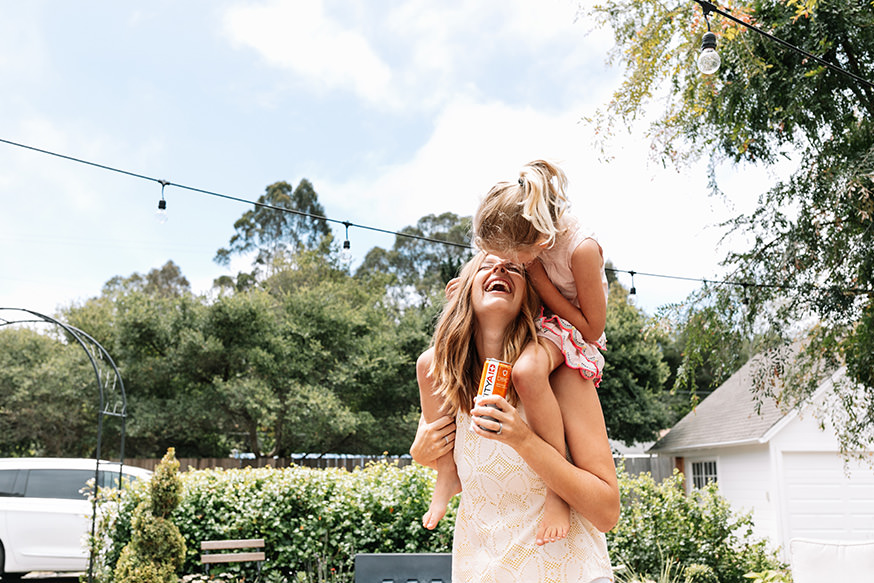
x=728, y=416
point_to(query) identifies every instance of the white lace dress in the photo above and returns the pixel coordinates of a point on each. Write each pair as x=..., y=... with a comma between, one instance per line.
x=501, y=504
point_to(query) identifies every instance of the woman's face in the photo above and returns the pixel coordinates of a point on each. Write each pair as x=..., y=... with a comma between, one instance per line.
x=499, y=287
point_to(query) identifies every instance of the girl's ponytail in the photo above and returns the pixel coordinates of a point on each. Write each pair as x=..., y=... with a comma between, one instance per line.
x=544, y=200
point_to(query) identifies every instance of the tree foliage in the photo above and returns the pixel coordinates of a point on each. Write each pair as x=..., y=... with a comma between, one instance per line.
x=303, y=357
x=284, y=219
x=421, y=264
x=48, y=399
x=631, y=391
x=806, y=271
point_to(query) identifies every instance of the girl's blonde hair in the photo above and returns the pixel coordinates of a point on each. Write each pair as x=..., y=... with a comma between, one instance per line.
x=528, y=212
x=456, y=367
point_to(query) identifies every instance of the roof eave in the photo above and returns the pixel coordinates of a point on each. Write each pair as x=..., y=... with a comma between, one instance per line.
x=713, y=445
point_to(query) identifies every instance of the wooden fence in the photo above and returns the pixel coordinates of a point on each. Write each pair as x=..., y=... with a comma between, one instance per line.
x=660, y=468
x=348, y=462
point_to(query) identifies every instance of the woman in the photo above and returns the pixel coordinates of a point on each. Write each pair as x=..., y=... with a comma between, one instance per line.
x=504, y=468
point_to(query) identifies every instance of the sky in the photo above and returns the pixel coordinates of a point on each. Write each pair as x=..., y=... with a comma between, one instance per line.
x=393, y=110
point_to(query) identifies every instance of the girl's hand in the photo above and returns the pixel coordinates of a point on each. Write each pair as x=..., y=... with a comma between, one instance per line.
x=433, y=440
x=505, y=426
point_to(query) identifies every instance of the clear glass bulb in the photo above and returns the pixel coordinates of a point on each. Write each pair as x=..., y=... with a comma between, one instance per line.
x=161, y=213
x=346, y=253
x=709, y=61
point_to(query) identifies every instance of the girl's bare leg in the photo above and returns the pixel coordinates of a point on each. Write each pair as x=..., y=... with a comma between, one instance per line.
x=531, y=379
x=447, y=486
x=448, y=483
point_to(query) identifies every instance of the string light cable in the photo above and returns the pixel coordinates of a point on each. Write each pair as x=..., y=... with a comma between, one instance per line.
x=708, y=7
x=165, y=183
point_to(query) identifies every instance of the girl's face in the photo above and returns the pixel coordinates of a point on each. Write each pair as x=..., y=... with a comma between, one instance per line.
x=523, y=256
x=498, y=287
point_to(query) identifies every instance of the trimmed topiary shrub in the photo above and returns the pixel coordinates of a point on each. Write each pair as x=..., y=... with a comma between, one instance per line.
x=156, y=548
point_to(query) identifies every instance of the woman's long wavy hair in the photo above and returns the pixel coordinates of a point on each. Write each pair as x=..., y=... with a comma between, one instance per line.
x=456, y=367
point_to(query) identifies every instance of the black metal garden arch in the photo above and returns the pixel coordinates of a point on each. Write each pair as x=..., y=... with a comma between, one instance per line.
x=110, y=388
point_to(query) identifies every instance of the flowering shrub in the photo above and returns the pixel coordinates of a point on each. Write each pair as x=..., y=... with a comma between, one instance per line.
x=313, y=521
x=697, y=532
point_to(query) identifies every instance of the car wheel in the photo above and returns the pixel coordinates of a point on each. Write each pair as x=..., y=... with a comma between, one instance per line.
x=4, y=576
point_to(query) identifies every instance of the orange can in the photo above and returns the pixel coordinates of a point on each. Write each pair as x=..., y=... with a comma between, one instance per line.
x=495, y=379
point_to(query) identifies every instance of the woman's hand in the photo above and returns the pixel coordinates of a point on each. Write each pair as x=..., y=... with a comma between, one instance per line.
x=505, y=424
x=433, y=440
x=589, y=483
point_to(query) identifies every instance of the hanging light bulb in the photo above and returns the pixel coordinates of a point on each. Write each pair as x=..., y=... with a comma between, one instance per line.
x=161, y=213
x=633, y=290
x=346, y=253
x=708, y=60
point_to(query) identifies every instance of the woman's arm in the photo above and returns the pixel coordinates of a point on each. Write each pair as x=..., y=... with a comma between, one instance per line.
x=588, y=485
x=591, y=317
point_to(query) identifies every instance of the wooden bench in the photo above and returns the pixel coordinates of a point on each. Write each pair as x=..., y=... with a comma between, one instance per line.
x=233, y=557
x=403, y=568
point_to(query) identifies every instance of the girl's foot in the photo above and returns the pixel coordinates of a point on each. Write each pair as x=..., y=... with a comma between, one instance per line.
x=556, y=519
x=446, y=487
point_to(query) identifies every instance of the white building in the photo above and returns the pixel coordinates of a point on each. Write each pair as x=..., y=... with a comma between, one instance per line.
x=783, y=466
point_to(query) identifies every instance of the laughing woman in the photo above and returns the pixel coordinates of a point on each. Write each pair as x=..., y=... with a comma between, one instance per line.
x=504, y=468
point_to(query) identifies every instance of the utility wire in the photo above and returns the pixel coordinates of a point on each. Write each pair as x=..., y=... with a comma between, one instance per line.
x=165, y=183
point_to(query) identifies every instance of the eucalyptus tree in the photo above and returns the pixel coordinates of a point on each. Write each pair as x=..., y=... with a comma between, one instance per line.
x=284, y=220
x=425, y=256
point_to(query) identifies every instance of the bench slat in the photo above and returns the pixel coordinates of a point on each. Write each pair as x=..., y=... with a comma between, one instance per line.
x=220, y=545
x=231, y=557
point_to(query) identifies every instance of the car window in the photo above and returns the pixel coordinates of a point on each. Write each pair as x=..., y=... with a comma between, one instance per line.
x=109, y=478
x=57, y=483
x=11, y=483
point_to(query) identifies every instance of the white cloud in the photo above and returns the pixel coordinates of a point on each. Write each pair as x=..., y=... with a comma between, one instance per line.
x=300, y=37
x=648, y=218
x=419, y=54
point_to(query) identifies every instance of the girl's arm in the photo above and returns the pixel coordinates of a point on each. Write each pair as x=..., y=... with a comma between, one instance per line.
x=591, y=317
x=433, y=440
x=588, y=485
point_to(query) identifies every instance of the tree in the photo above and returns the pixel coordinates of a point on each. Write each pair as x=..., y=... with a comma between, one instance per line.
x=48, y=397
x=356, y=348
x=631, y=391
x=810, y=256
x=167, y=281
x=269, y=231
x=310, y=359
x=424, y=265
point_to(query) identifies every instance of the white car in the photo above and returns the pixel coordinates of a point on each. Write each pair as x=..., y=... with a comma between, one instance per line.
x=44, y=515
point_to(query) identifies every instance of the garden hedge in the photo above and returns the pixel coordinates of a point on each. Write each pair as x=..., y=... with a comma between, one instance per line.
x=314, y=521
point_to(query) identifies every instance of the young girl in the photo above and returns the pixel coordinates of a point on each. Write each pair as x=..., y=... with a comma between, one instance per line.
x=526, y=222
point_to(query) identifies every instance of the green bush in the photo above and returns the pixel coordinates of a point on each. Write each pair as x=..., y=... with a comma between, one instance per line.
x=156, y=548
x=698, y=531
x=313, y=521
